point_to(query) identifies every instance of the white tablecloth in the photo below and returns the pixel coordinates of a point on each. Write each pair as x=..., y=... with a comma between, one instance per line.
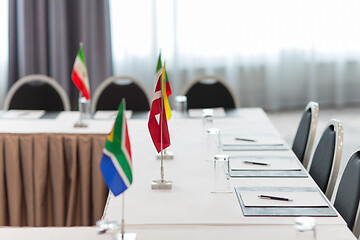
x=189, y=210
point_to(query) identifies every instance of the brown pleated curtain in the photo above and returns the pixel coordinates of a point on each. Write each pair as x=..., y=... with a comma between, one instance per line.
x=51, y=179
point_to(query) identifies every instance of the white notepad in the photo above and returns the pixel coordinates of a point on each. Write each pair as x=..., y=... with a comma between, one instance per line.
x=289, y=164
x=23, y=114
x=299, y=199
x=239, y=139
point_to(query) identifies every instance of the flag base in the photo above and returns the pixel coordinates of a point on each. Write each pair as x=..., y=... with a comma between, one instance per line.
x=168, y=155
x=127, y=236
x=159, y=184
x=80, y=125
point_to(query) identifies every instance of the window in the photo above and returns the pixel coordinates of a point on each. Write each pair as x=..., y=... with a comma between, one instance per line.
x=268, y=49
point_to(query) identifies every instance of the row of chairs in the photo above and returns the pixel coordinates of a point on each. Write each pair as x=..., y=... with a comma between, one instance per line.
x=324, y=164
x=44, y=93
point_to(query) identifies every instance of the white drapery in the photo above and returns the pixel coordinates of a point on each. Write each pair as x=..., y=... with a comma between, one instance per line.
x=4, y=49
x=275, y=54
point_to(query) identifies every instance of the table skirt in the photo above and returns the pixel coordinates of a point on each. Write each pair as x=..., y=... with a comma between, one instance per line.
x=51, y=179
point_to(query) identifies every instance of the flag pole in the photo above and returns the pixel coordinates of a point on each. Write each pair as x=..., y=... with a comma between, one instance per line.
x=162, y=183
x=161, y=132
x=80, y=108
x=80, y=123
x=123, y=217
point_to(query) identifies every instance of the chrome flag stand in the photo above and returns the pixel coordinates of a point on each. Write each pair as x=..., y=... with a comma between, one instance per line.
x=168, y=155
x=80, y=123
x=161, y=183
x=112, y=227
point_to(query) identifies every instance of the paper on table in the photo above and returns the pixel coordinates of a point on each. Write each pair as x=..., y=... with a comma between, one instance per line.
x=290, y=164
x=299, y=199
x=198, y=113
x=250, y=140
x=253, y=147
x=106, y=115
x=26, y=114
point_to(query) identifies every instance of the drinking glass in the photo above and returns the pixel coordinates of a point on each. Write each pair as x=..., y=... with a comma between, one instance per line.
x=207, y=119
x=181, y=105
x=221, y=174
x=213, y=145
x=85, y=108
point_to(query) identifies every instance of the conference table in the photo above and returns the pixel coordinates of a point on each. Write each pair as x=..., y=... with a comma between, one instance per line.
x=191, y=209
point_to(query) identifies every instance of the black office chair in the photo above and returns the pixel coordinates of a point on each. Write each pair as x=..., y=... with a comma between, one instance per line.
x=37, y=92
x=209, y=91
x=348, y=193
x=113, y=89
x=325, y=162
x=304, y=138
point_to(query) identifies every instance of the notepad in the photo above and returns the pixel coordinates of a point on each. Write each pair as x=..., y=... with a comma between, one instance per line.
x=198, y=113
x=254, y=147
x=299, y=199
x=239, y=139
x=108, y=115
x=289, y=164
x=23, y=114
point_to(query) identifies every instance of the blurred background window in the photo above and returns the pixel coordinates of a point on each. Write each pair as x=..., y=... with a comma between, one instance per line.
x=275, y=54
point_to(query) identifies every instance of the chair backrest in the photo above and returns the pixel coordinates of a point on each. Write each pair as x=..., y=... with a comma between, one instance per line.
x=208, y=91
x=348, y=193
x=113, y=89
x=325, y=162
x=37, y=92
x=304, y=138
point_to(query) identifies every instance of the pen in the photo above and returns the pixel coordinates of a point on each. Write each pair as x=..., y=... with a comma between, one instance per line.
x=245, y=139
x=256, y=163
x=274, y=198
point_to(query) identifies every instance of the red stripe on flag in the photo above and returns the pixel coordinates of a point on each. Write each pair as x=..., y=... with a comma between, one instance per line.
x=168, y=89
x=127, y=139
x=80, y=85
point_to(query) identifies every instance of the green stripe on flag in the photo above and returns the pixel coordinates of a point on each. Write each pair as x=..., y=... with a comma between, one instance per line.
x=159, y=64
x=115, y=145
x=81, y=56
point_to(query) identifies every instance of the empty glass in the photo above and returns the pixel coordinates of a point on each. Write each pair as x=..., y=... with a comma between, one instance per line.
x=85, y=107
x=221, y=174
x=305, y=228
x=207, y=119
x=181, y=105
x=213, y=145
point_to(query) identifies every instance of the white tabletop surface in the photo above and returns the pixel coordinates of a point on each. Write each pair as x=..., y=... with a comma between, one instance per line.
x=63, y=123
x=189, y=210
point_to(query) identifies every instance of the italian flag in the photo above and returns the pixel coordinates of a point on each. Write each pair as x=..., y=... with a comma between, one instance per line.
x=79, y=74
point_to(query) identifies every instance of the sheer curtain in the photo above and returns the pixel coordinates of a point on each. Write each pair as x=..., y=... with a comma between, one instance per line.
x=275, y=54
x=4, y=46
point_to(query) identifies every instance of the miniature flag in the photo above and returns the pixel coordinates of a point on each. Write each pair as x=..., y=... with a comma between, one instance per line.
x=158, y=70
x=166, y=101
x=116, y=162
x=155, y=123
x=79, y=74
x=157, y=74
x=167, y=85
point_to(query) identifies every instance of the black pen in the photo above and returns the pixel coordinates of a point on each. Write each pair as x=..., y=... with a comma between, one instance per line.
x=274, y=198
x=257, y=163
x=245, y=139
